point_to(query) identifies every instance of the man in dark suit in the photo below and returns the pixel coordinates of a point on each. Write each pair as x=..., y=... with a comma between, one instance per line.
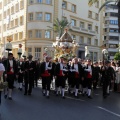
x=10, y=73
x=29, y=68
x=20, y=73
x=45, y=72
x=108, y=76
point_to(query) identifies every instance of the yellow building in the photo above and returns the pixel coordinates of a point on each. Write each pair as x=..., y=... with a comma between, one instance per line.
x=27, y=21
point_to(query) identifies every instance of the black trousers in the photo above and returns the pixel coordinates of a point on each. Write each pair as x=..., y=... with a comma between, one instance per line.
x=106, y=83
x=0, y=97
x=76, y=82
x=89, y=83
x=28, y=84
x=10, y=80
x=60, y=81
x=46, y=81
x=20, y=77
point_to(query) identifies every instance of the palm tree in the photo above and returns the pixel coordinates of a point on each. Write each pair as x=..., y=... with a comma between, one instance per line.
x=59, y=26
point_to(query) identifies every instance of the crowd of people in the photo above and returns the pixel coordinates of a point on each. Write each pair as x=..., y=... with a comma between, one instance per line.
x=80, y=76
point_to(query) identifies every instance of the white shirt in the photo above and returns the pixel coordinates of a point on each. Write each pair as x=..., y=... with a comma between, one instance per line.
x=48, y=68
x=2, y=68
x=76, y=67
x=89, y=69
x=11, y=65
x=61, y=66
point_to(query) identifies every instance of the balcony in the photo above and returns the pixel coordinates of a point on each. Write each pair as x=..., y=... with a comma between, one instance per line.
x=83, y=30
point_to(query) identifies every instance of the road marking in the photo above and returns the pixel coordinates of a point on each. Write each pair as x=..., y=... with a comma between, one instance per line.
x=118, y=115
x=96, y=94
x=74, y=98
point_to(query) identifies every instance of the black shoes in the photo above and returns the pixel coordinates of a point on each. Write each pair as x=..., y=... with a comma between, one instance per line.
x=9, y=98
x=63, y=97
x=89, y=97
x=25, y=93
x=5, y=96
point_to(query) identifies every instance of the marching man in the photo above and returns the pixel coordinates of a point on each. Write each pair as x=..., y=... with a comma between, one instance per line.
x=10, y=72
x=45, y=71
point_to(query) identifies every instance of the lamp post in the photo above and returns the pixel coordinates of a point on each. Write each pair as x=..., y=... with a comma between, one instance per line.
x=105, y=55
x=19, y=51
x=62, y=8
x=87, y=52
x=9, y=45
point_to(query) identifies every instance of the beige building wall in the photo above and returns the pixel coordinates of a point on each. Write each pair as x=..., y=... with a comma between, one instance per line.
x=33, y=33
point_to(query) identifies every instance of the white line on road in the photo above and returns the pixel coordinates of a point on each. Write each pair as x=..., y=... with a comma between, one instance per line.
x=74, y=98
x=118, y=115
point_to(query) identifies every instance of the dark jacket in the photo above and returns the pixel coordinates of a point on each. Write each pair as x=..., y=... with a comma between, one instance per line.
x=7, y=66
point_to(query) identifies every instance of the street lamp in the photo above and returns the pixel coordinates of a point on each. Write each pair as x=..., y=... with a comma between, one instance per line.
x=87, y=52
x=105, y=55
x=63, y=4
x=9, y=45
x=19, y=51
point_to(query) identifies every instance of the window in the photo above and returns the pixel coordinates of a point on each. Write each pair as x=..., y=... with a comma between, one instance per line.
x=16, y=37
x=96, y=42
x=12, y=23
x=8, y=12
x=39, y=1
x=21, y=20
x=37, y=53
x=73, y=37
x=47, y=34
x=4, y=27
x=97, y=4
x=38, y=34
x=81, y=39
x=96, y=29
x=30, y=16
x=90, y=14
x=82, y=24
x=16, y=22
x=89, y=41
x=17, y=7
x=30, y=33
x=47, y=17
x=73, y=22
x=29, y=51
x=74, y=8
x=64, y=5
x=95, y=56
x=96, y=16
x=38, y=16
x=12, y=9
x=113, y=22
x=89, y=27
x=5, y=14
x=48, y=2
x=21, y=4
x=20, y=35
x=31, y=1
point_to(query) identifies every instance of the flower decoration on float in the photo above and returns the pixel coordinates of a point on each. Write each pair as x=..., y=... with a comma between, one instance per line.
x=65, y=46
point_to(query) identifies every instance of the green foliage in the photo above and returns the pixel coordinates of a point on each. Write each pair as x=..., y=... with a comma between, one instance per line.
x=117, y=56
x=59, y=26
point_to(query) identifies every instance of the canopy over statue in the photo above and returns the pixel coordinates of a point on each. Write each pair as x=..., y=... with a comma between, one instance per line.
x=65, y=46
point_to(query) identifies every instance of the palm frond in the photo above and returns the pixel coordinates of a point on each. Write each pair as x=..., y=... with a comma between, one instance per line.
x=104, y=4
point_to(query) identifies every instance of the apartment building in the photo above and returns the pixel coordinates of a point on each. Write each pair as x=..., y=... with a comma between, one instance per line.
x=111, y=29
x=27, y=21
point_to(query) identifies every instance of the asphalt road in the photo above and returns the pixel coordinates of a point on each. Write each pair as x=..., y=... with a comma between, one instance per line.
x=38, y=107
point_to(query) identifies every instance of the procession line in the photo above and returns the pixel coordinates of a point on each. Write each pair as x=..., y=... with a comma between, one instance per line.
x=118, y=115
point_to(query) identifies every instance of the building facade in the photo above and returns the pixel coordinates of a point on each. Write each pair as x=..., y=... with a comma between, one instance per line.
x=111, y=29
x=26, y=22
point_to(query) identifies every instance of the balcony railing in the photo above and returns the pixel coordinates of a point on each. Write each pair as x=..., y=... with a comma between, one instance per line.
x=83, y=30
